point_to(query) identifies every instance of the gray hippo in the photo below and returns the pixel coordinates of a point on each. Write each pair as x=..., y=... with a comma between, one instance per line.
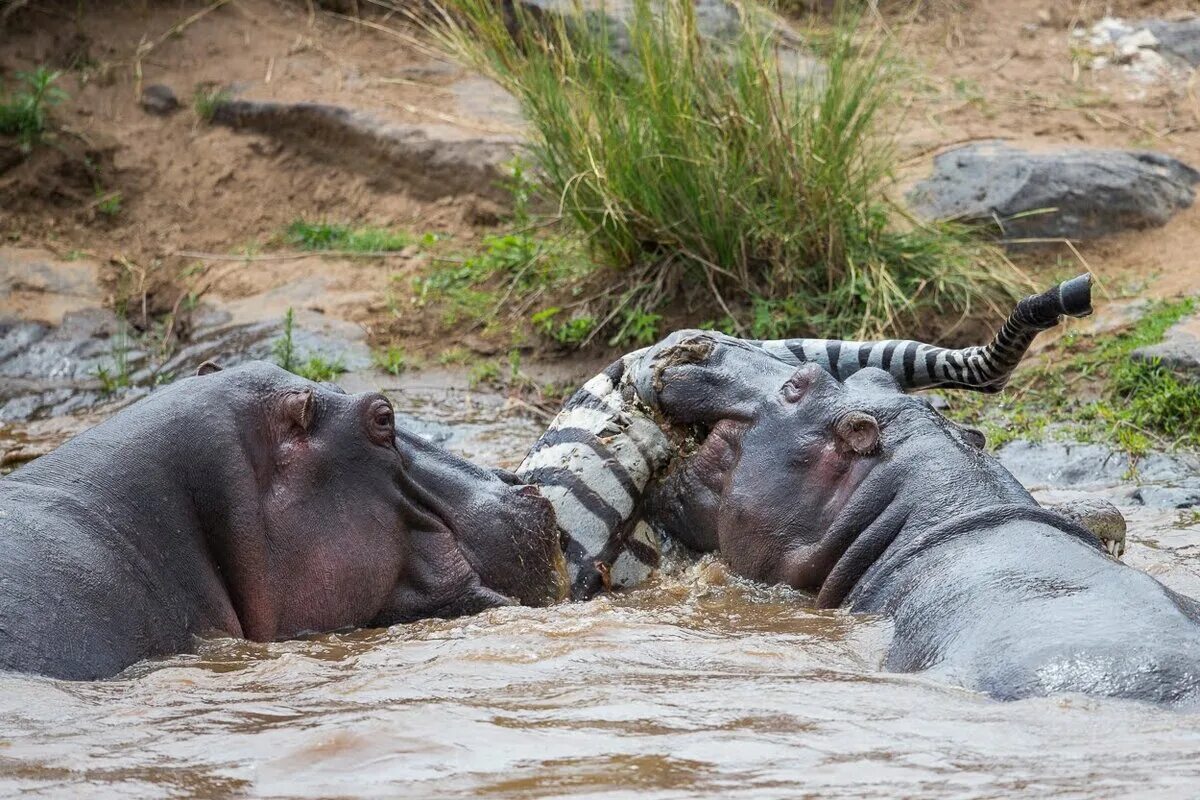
x=252, y=503
x=878, y=504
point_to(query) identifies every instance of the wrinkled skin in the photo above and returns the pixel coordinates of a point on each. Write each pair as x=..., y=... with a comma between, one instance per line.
x=252, y=503
x=876, y=503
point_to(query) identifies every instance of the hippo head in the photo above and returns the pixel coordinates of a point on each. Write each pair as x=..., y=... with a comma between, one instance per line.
x=808, y=474
x=329, y=516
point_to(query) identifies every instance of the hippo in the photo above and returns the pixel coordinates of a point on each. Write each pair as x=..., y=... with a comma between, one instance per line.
x=250, y=502
x=877, y=504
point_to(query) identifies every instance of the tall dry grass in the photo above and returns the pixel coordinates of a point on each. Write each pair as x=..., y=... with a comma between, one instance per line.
x=684, y=161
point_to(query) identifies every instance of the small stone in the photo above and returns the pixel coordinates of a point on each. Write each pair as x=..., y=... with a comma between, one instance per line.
x=159, y=99
x=1179, y=351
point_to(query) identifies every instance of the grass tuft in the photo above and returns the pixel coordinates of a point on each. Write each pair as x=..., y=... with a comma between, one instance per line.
x=207, y=100
x=313, y=367
x=686, y=163
x=23, y=112
x=333, y=236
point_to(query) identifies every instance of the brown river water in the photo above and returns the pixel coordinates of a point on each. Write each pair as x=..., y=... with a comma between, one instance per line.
x=698, y=685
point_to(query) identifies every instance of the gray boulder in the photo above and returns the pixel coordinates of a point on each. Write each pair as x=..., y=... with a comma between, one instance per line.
x=1059, y=194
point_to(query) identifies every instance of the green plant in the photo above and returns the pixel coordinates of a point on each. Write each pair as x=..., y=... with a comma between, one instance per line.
x=571, y=331
x=23, y=112
x=461, y=287
x=484, y=372
x=332, y=236
x=318, y=368
x=207, y=100
x=391, y=359
x=116, y=374
x=521, y=188
x=312, y=367
x=284, y=348
x=687, y=162
x=109, y=204
x=454, y=355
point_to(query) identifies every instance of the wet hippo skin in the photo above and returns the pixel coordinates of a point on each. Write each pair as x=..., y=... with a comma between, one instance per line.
x=876, y=503
x=252, y=503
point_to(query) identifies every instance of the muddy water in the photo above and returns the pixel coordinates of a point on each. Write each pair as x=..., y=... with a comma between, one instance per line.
x=697, y=685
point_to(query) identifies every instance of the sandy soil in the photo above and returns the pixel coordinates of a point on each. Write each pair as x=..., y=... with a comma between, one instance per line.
x=187, y=186
x=1006, y=70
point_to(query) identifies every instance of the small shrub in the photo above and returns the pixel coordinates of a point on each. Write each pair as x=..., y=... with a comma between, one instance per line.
x=318, y=368
x=117, y=373
x=23, y=112
x=314, y=367
x=571, y=331
x=687, y=162
x=110, y=204
x=483, y=373
x=284, y=348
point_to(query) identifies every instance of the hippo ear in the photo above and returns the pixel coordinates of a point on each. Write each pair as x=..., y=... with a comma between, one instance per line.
x=298, y=408
x=208, y=367
x=857, y=432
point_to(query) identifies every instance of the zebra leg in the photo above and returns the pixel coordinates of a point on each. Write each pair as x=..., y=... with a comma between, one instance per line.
x=593, y=464
x=916, y=365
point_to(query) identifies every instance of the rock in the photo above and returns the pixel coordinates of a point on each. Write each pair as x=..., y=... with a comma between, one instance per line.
x=1085, y=193
x=1146, y=50
x=1116, y=315
x=485, y=100
x=1073, y=465
x=429, y=161
x=38, y=286
x=1179, y=350
x=159, y=99
x=1178, y=38
x=1187, y=496
x=717, y=21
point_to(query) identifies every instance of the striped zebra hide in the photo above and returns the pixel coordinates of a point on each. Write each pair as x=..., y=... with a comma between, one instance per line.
x=602, y=450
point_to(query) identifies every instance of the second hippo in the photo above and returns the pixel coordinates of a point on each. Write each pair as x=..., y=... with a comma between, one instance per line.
x=253, y=503
x=876, y=503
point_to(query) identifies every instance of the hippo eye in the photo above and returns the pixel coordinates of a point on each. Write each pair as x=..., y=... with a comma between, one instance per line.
x=381, y=421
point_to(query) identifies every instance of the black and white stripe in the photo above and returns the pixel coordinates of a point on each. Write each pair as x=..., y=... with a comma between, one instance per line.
x=593, y=465
x=602, y=450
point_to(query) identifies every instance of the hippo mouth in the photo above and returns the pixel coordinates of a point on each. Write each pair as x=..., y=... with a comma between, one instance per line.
x=505, y=530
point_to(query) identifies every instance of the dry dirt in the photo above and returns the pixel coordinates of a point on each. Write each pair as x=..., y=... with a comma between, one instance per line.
x=981, y=71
